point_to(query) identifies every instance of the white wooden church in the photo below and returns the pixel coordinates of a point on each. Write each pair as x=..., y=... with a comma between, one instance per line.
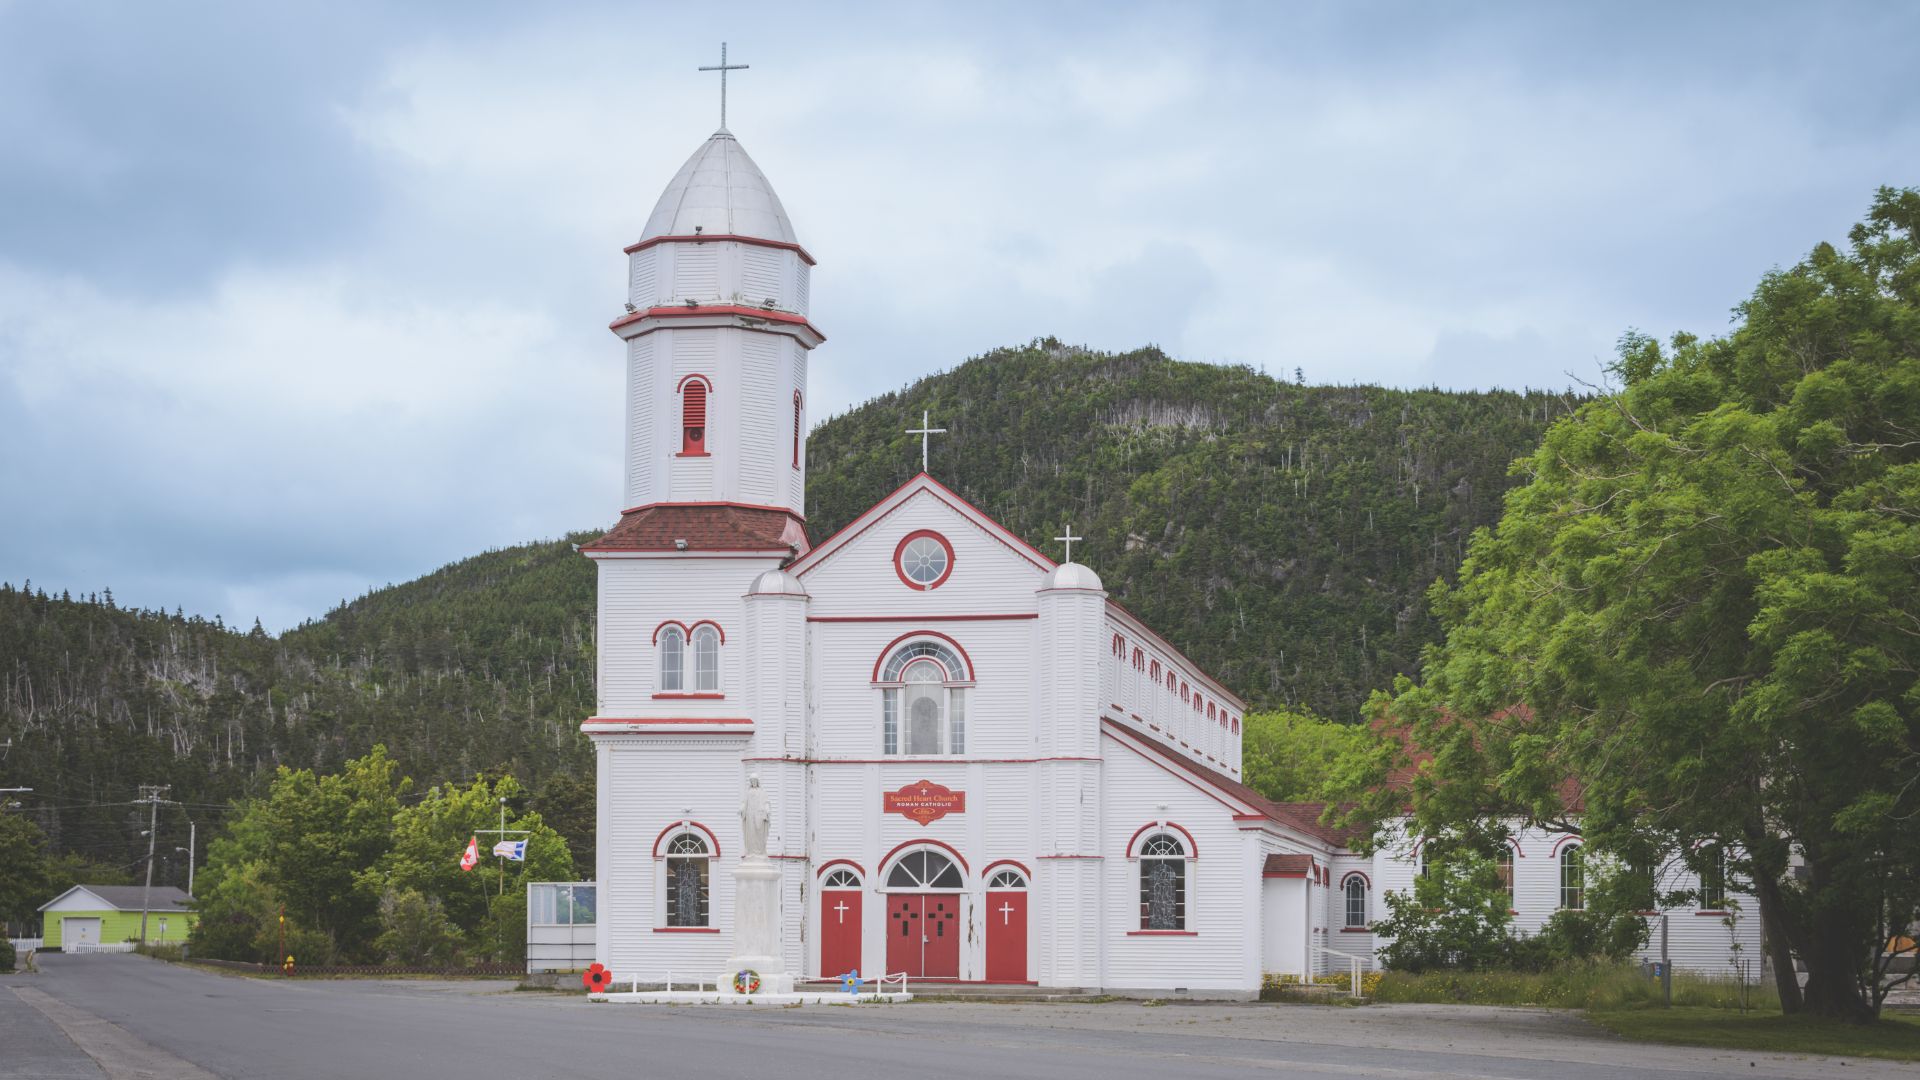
x=981, y=768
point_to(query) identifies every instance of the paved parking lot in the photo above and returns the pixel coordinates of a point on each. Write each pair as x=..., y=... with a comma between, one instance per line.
x=121, y=1016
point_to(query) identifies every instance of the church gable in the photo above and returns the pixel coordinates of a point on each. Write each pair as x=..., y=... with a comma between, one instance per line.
x=922, y=551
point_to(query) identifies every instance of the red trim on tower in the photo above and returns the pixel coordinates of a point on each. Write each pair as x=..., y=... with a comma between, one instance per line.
x=788, y=510
x=901, y=571
x=949, y=848
x=702, y=238
x=695, y=311
x=971, y=674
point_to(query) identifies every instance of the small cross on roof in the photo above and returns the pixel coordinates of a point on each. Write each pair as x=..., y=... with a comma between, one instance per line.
x=1068, y=539
x=926, y=430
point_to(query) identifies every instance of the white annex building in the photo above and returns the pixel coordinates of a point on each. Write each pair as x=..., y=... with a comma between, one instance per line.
x=980, y=767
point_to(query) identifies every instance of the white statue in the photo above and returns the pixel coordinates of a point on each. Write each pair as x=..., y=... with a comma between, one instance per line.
x=755, y=819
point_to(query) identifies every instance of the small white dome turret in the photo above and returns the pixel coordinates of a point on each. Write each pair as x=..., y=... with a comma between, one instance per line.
x=777, y=583
x=720, y=192
x=1071, y=575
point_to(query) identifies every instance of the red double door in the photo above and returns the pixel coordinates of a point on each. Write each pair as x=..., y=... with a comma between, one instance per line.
x=839, y=932
x=923, y=935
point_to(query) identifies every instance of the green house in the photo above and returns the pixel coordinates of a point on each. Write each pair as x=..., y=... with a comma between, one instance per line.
x=107, y=917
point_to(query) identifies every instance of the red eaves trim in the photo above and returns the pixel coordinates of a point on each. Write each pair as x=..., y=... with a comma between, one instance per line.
x=697, y=311
x=702, y=238
x=919, y=618
x=668, y=720
x=905, y=759
x=879, y=511
x=787, y=510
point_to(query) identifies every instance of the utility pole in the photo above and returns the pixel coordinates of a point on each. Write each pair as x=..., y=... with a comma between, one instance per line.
x=153, y=796
x=192, y=829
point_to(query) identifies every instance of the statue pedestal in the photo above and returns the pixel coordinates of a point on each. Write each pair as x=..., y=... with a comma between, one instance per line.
x=757, y=928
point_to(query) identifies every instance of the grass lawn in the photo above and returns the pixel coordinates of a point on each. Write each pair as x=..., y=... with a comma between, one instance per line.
x=1896, y=1036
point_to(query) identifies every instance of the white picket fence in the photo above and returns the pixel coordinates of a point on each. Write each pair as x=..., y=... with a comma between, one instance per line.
x=104, y=947
x=26, y=944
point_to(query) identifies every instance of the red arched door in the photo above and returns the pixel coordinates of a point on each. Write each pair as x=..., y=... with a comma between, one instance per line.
x=1007, y=927
x=839, y=924
x=923, y=927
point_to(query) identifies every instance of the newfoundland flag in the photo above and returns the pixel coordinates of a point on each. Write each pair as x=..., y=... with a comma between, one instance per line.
x=472, y=855
x=511, y=849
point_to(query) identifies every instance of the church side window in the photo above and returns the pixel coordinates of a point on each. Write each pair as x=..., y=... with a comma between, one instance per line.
x=1573, y=877
x=673, y=648
x=1503, y=865
x=706, y=659
x=923, y=703
x=693, y=416
x=1713, y=880
x=687, y=881
x=1163, y=884
x=1356, y=890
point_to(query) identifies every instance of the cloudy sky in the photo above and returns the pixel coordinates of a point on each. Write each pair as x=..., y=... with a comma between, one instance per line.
x=297, y=300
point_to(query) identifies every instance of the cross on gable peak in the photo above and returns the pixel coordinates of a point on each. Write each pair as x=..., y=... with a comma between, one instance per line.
x=926, y=431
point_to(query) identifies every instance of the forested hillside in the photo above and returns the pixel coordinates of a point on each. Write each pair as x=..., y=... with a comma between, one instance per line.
x=1282, y=534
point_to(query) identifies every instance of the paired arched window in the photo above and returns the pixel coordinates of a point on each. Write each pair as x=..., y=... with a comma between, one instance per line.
x=1356, y=895
x=1163, y=883
x=923, y=700
x=689, y=665
x=1573, y=877
x=694, y=390
x=688, y=880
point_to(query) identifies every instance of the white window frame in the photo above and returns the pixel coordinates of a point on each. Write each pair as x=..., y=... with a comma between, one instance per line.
x=917, y=657
x=663, y=911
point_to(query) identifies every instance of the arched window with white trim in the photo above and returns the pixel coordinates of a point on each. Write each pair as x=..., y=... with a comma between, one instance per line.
x=842, y=879
x=1356, y=896
x=1503, y=866
x=673, y=649
x=1163, y=883
x=706, y=659
x=1007, y=879
x=924, y=869
x=688, y=892
x=1573, y=877
x=923, y=700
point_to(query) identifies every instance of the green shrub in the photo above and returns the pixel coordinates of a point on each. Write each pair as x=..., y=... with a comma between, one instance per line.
x=1575, y=985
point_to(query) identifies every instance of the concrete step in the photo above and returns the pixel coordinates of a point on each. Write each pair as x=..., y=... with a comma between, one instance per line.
x=949, y=991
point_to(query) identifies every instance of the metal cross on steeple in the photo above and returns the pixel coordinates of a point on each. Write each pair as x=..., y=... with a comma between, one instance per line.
x=1068, y=540
x=925, y=431
x=723, y=67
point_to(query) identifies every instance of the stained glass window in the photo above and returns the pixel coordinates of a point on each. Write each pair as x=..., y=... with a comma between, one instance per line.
x=1163, y=884
x=687, y=886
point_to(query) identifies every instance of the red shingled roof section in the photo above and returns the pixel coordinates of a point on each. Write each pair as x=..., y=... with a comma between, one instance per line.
x=704, y=528
x=1288, y=864
x=1302, y=816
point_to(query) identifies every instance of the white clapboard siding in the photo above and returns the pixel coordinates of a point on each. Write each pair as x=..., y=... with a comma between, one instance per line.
x=802, y=286
x=643, y=278
x=761, y=427
x=696, y=272
x=760, y=273
x=643, y=437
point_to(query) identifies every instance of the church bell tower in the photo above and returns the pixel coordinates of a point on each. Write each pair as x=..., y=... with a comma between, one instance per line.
x=717, y=341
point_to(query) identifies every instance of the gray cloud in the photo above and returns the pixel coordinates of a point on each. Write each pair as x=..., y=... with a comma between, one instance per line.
x=296, y=300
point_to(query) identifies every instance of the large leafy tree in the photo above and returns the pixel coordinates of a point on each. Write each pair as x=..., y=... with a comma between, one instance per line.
x=1703, y=604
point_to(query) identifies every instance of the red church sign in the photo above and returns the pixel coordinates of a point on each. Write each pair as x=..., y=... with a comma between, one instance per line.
x=924, y=801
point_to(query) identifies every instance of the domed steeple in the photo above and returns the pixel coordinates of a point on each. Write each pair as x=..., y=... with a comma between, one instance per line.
x=720, y=192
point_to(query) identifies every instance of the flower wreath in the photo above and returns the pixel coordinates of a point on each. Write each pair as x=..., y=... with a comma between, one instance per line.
x=596, y=978
x=746, y=982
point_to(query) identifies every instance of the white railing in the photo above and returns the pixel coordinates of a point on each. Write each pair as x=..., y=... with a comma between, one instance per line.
x=27, y=944
x=880, y=983
x=699, y=985
x=104, y=947
x=1354, y=964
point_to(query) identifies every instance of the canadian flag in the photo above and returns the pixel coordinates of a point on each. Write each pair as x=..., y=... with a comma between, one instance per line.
x=471, y=856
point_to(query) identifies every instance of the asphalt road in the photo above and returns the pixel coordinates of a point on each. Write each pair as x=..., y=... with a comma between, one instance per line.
x=122, y=1016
